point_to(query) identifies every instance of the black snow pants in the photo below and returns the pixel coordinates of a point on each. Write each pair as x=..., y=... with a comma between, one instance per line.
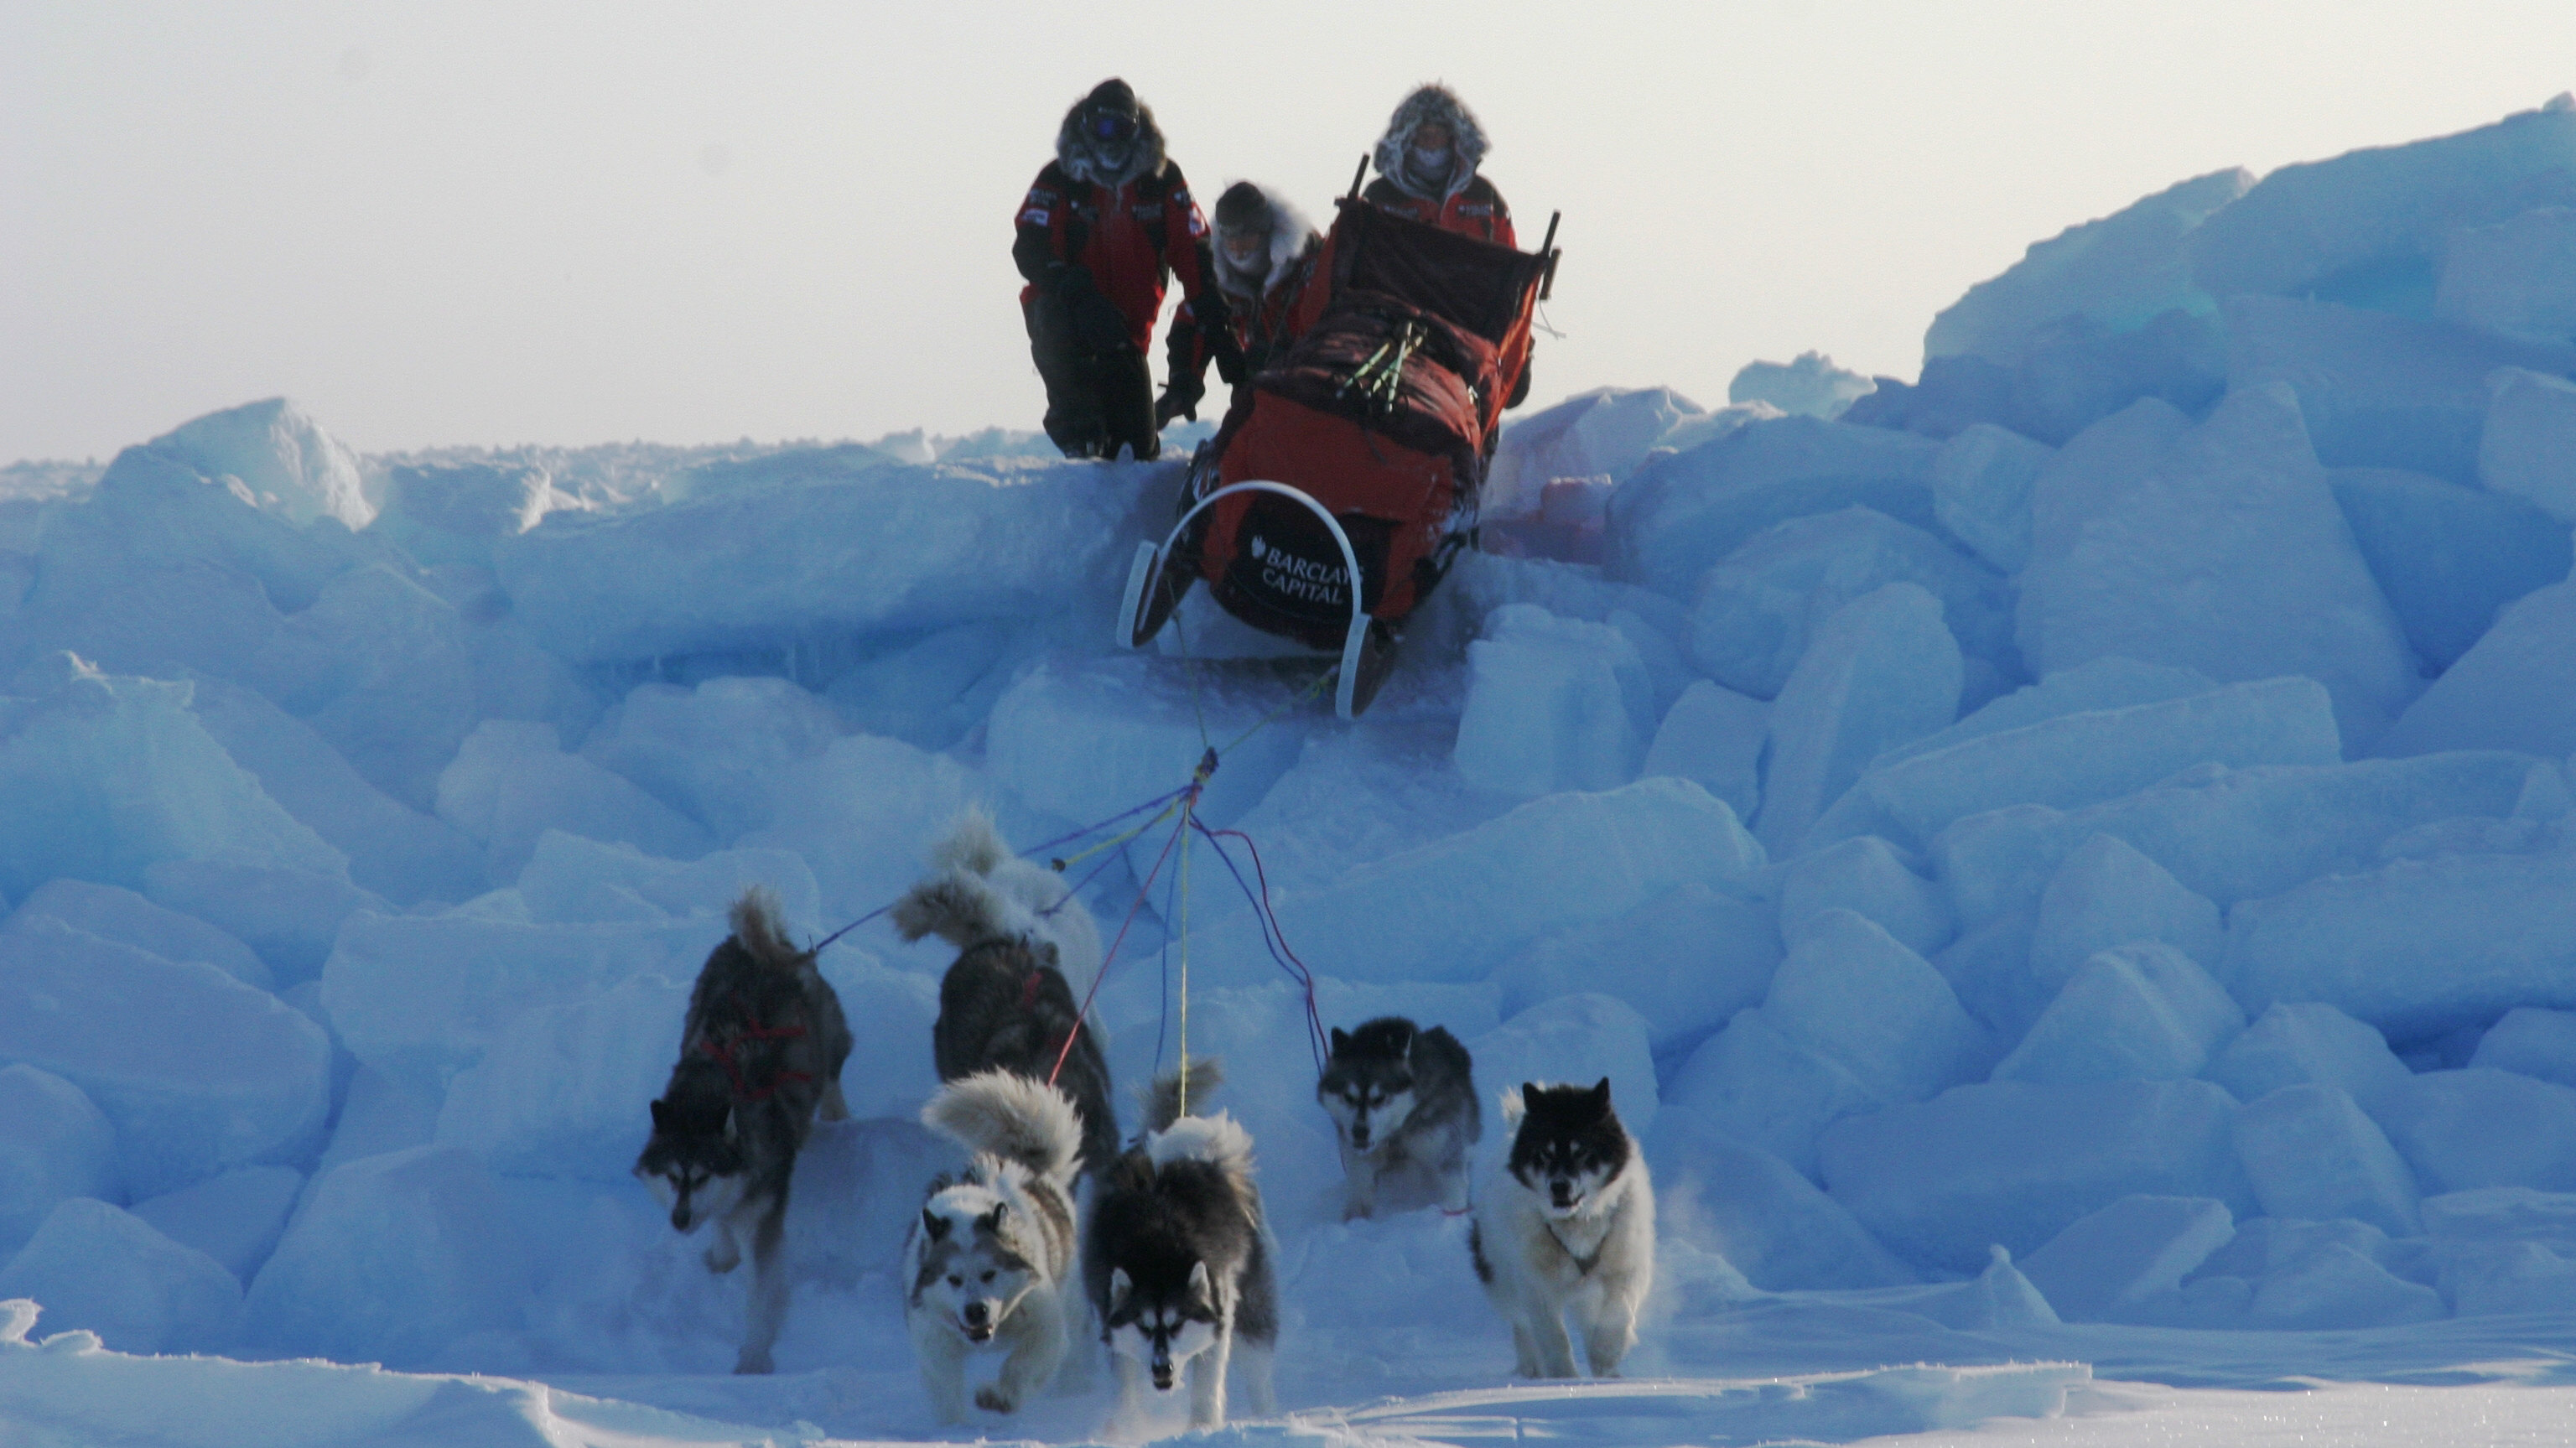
x=1097, y=402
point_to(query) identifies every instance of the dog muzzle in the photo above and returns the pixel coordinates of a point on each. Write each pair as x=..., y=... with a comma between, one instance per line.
x=978, y=1322
x=1162, y=1371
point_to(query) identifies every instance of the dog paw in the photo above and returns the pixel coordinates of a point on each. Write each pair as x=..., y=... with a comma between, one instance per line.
x=994, y=1400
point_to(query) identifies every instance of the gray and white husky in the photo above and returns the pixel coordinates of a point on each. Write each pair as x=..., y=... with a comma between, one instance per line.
x=760, y=1054
x=1179, y=1261
x=1567, y=1226
x=991, y=1260
x=1403, y=1103
x=1026, y=947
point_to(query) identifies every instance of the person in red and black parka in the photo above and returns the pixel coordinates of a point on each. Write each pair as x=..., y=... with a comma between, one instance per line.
x=1265, y=255
x=1426, y=168
x=1106, y=222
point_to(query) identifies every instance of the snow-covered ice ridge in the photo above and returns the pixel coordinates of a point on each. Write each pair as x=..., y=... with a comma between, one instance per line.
x=2074, y=846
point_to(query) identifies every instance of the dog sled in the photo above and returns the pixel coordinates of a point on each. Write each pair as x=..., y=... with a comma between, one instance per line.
x=1360, y=454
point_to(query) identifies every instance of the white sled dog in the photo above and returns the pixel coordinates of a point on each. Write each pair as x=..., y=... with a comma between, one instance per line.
x=1567, y=1225
x=991, y=1261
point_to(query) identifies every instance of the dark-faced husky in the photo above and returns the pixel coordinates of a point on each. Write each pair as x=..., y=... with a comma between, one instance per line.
x=1567, y=1226
x=1008, y=1001
x=760, y=1053
x=1403, y=1103
x=1179, y=1261
x=991, y=1261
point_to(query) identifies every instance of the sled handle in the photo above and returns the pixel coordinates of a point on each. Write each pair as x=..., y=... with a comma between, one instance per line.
x=1349, y=682
x=1359, y=175
x=1547, y=252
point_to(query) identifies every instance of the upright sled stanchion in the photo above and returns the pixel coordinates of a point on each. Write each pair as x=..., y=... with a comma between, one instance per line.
x=1149, y=603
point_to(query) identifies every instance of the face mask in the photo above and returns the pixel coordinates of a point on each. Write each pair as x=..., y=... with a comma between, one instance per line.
x=1246, y=250
x=1429, y=163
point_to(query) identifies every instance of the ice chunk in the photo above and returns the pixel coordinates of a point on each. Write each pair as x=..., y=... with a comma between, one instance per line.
x=2517, y=277
x=2532, y=1041
x=394, y=1257
x=198, y=1071
x=1714, y=737
x=2379, y=391
x=2504, y=1214
x=2312, y=1154
x=2105, y=683
x=2086, y=757
x=1988, y=968
x=54, y=1145
x=2482, y=1127
x=1454, y=909
x=452, y=513
x=2229, y=834
x=571, y=880
x=1882, y=671
x=2118, y=272
x=288, y=916
x=394, y=850
x=1603, y=433
x=1576, y=1039
x=1552, y=704
x=1770, y=1222
x=512, y=781
x=1678, y=515
x=2515, y=689
x=2015, y=1163
x=2108, y=894
x=2303, y=1043
x=289, y=464
x=1751, y=1084
x=2137, y=1012
x=931, y=691
x=2507, y=1277
x=2336, y=1287
x=2446, y=556
x=112, y=912
x=2530, y=427
x=380, y=667
x=2369, y=225
x=2107, y=1263
x=97, y=1268
x=1686, y=960
x=1869, y=878
x=74, y=740
x=1756, y=611
x=907, y=796
x=1982, y=481
x=806, y=555
x=2218, y=547
x=712, y=751
x=1810, y=386
x=1085, y=737
x=235, y=1218
x=1849, y=991
x=421, y=997
x=2416, y=947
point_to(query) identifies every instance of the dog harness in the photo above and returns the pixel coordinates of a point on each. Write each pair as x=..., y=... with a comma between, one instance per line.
x=727, y=1051
x=1582, y=1265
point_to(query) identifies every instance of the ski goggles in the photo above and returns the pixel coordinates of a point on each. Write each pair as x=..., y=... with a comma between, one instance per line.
x=1112, y=126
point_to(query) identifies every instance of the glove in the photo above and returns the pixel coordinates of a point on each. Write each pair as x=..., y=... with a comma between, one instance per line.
x=1179, y=399
x=1230, y=365
x=1093, y=319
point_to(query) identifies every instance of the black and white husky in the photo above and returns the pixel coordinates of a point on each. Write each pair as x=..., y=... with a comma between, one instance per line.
x=1567, y=1226
x=991, y=1261
x=760, y=1054
x=1179, y=1261
x=1024, y=946
x=1403, y=1103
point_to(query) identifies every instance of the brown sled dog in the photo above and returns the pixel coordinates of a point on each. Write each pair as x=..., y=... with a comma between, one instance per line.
x=760, y=1053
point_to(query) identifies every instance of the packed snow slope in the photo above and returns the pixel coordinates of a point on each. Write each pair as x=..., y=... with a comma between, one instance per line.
x=2066, y=863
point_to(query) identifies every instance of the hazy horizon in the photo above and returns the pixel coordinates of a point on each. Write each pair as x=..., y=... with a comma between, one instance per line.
x=495, y=225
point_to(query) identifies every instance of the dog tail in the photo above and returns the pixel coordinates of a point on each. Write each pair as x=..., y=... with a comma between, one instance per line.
x=1013, y=1117
x=1219, y=1140
x=958, y=901
x=757, y=928
x=972, y=844
x=1513, y=1108
x=1163, y=1098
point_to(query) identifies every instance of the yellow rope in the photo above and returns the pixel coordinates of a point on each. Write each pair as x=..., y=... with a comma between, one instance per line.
x=1188, y=808
x=1114, y=841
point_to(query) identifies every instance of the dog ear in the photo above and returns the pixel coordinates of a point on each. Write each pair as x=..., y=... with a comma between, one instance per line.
x=992, y=1221
x=1120, y=1284
x=933, y=1224
x=1599, y=1096
x=1530, y=1094
x=1341, y=1040
x=1404, y=1037
x=1201, y=1285
x=661, y=1116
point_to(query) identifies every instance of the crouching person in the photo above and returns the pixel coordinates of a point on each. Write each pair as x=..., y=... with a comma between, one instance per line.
x=1107, y=222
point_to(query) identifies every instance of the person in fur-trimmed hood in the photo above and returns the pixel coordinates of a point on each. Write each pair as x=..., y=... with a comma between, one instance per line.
x=1427, y=168
x=1264, y=257
x=1103, y=227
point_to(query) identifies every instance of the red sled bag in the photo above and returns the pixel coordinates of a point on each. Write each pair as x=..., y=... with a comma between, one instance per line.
x=1361, y=451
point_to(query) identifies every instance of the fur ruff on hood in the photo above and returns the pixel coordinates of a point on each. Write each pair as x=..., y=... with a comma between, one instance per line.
x=1290, y=234
x=1427, y=104
x=1074, y=150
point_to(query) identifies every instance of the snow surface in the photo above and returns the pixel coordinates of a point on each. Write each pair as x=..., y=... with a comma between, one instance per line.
x=2064, y=864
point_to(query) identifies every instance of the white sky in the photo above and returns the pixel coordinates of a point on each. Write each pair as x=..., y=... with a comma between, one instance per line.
x=572, y=223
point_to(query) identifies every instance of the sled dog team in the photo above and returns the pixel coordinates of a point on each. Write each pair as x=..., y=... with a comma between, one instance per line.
x=1174, y=1254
